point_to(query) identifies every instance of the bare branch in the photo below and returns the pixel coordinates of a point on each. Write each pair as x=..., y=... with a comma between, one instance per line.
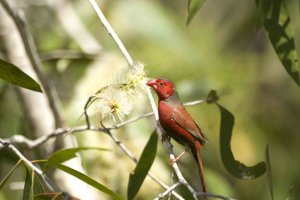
x=192, y=103
x=149, y=114
x=135, y=160
x=134, y=119
x=49, y=183
x=173, y=187
x=168, y=191
x=28, y=143
x=111, y=31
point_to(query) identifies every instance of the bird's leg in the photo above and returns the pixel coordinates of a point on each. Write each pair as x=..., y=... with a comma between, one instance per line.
x=172, y=161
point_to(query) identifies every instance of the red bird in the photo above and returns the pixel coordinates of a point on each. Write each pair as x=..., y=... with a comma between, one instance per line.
x=177, y=122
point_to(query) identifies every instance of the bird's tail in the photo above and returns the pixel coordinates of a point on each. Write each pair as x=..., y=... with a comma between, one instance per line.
x=196, y=154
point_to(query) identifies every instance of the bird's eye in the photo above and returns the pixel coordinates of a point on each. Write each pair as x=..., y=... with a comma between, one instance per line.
x=161, y=83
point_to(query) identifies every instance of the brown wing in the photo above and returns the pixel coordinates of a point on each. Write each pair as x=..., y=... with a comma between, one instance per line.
x=183, y=119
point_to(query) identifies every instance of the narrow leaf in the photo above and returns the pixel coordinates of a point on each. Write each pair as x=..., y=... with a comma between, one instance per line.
x=88, y=180
x=67, y=154
x=38, y=186
x=8, y=175
x=14, y=75
x=52, y=196
x=235, y=167
x=193, y=7
x=262, y=8
x=137, y=177
x=212, y=97
x=28, y=184
x=273, y=14
x=269, y=172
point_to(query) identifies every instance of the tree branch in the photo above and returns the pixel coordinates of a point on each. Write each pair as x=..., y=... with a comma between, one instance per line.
x=111, y=31
x=135, y=160
x=168, y=191
x=49, y=183
x=28, y=143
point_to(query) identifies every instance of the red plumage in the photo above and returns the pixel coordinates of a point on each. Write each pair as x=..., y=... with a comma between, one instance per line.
x=177, y=122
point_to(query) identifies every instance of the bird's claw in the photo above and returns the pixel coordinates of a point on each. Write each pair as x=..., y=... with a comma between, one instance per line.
x=172, y=161
x=165, y=137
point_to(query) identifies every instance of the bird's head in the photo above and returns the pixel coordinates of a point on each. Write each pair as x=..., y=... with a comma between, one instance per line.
x=163, y=87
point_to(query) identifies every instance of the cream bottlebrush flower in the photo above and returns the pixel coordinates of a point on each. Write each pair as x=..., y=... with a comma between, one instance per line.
x=113, y=103
x=134, y=80
x=115, y=100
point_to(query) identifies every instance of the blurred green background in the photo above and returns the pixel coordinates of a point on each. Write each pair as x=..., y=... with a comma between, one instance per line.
x=219, y=50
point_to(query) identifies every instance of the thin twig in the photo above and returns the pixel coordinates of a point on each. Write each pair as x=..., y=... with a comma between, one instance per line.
x=174, y=186
x=168, y=191
x=134, y=119
x=111, y=31
x=28, y=143
x=177, y=171
x=192, y=103
x=135, y=160
x=87, y=119
x=50, y=184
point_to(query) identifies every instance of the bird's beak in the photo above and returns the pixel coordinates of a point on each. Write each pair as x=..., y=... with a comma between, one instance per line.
x=152, y=83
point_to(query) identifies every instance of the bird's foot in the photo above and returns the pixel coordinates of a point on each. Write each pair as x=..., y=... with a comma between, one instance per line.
x=165, y=137
x=172, y=161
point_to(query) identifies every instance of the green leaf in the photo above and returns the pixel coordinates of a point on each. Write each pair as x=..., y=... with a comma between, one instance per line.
x=235, y=167
x=67, y=154
x=33, y=184
x=28, y=184
x=14, y=75
x=273, y=14
x=262, y=7
x=193, y=7
x=9, y=174
x=50, y=196
x=137, y=177
x=37, y=184
x=88, y=180
x=212, y=97
x=269, y=172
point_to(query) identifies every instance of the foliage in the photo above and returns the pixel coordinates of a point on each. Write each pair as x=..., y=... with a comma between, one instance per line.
x=193, y=7
x=274, y=16
x=14, y=75
x=137, y=177
x=235, y=167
